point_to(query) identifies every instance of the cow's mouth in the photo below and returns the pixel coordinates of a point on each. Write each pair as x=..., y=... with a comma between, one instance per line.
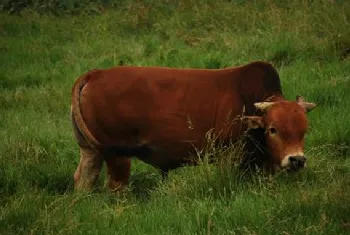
x=290, y=168
x=293, y=163
x=294, y=167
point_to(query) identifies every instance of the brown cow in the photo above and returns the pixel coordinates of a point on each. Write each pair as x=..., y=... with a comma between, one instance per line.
x=161, y=115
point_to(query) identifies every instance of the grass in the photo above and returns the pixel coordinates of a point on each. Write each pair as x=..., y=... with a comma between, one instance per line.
x=42, y=55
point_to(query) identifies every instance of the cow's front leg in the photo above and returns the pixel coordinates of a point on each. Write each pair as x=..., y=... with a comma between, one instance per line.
x=118, y=172
x=88, y=169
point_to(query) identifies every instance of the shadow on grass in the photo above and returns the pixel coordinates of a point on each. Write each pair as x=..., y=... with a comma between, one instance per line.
x=142, y=184
x=55, y=184
x=42, y=177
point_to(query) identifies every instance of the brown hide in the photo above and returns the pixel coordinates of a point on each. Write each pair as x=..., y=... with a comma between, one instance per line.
x=161, y=114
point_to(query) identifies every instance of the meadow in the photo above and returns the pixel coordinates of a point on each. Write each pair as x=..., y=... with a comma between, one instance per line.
x=41, y=55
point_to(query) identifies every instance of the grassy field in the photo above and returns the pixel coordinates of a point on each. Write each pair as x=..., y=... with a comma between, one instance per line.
x=42, y=55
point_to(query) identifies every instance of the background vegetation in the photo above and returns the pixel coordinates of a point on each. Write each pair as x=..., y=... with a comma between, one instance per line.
x=46, y=45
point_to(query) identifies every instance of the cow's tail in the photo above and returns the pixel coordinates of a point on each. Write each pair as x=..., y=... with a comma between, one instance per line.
x=77, y=118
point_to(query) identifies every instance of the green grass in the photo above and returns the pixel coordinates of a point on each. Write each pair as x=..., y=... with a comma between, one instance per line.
x=42, y=55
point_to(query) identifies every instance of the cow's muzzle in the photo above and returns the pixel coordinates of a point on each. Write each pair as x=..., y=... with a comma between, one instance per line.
x=296, y=163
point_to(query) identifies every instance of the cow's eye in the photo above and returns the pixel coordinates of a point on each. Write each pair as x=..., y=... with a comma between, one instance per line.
x=272, y=131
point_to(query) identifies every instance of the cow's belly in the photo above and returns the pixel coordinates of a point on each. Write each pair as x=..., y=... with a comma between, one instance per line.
x=163, y=154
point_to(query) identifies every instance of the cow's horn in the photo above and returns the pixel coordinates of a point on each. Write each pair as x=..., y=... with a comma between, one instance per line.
x=308, y=106
x=263, y=106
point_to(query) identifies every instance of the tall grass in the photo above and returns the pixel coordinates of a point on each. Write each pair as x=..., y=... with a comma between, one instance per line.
x=41, y=55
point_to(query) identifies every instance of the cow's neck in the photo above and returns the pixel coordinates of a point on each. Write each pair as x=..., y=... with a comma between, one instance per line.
x=255, y=152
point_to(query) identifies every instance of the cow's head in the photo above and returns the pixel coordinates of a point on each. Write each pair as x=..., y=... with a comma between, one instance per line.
x=285, y=124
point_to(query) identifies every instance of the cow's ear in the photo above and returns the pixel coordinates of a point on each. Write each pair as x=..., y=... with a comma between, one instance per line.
x=308, y=106
x=253, y=121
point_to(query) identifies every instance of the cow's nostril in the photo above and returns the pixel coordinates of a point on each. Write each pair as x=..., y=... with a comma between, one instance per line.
x=297, y=162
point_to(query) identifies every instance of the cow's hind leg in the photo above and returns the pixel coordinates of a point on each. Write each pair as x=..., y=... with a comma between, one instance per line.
x=88, y=169
x=118, y=172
